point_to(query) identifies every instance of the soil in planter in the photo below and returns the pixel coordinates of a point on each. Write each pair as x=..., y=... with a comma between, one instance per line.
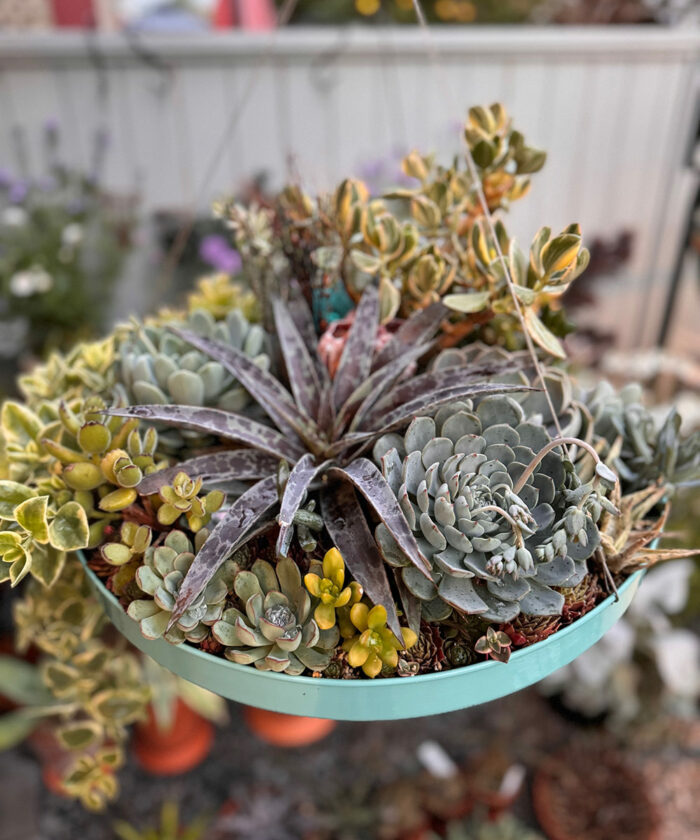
x=588, y=792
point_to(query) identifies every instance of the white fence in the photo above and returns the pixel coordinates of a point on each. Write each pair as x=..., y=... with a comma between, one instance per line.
x=615, y=107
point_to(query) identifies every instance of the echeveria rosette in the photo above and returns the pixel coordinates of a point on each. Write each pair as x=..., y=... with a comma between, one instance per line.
x=500, y=525
x=160, y=577
x=276, y=630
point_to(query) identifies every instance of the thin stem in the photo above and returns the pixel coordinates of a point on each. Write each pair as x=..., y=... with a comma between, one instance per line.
x=504, y=513
x=560, y=441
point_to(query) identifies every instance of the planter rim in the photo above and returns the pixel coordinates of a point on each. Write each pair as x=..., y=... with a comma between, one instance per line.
x=270, y=687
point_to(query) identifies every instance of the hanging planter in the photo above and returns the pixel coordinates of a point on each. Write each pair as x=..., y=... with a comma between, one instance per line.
x=384, y=699
x=393, y=519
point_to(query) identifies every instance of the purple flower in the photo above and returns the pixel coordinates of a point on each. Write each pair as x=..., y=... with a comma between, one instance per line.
x=216, y=251
x=6, y=179
x=18, y=192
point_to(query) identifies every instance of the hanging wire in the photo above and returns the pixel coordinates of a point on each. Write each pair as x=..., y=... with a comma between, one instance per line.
x=420, y=15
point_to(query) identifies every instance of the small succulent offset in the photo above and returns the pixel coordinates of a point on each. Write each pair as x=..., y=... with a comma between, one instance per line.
x=134, y=541
x=375, y=647
x=277, y=631
x=494, y=644
x=329, y=588
x=160, y=577
x=181, y=498
x=497, y=507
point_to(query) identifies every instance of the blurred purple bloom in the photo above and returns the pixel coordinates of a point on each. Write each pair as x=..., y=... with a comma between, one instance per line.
x=6, y=179
x=216, y=251
x=18, y=192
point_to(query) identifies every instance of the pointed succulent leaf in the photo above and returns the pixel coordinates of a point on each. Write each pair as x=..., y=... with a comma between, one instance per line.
x=418, y=329
x=305, y=471
x=228, y=535
x=411, y=605
x=365, y=476
x=542, y=335
x=301, y=370
x=214, y=421
x=214, y=468
x=346, y=523
x=264, y=387
x=356, y=358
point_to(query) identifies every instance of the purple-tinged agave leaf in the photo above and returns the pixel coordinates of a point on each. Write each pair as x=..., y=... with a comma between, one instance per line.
x=339, y=447
x=356, y=358
x=326, y=415
x=229, y=535
x=434, y=399
x=268, y=391
x=213, y=421
x=345, y=522
x=432, y=381
x=301, y=370
x=411, y=605
x=304, y=321
x=366, y=478
x=375, y=386
x=418, y=329
x=232, y=465
x=305, y=471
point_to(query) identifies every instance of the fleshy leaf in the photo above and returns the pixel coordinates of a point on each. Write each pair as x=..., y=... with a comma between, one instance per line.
x=11, y=495
x=304, y=472
x=542, y=335
x=365, y=476
x=69, y=529
x=356, y=358
x=418, y=329
x=228, y=535
x=213, y=421
x=347, y=526
x=32, y=516
x=301, y=371
x=217, y=467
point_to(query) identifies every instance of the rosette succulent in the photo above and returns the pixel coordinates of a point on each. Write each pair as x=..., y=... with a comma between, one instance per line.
x=277, y=631
x=160, y=577
x=495, y=505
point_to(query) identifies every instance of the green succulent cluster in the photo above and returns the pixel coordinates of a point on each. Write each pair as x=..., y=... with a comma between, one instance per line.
x=497, y=507
x=182, y=498
x=160, y=577
x=158, y=367
x=277, y=630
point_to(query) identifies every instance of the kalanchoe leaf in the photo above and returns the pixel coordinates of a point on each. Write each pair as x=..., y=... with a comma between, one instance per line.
x=264, y=387
x=346, y=523
x=301, y=370
x=305, y=471
x=219, y=467
x=228, y=535
x=365, y=476
x=418, y=329
x=213, y=421
x=356, y=358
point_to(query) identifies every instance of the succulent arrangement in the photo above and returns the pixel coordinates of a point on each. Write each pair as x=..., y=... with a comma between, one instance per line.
x=423, y=489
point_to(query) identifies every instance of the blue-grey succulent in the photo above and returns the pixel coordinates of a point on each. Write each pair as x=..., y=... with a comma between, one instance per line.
x=160, y=368
x=501, y=516
x=160, y=577
x=277, y=631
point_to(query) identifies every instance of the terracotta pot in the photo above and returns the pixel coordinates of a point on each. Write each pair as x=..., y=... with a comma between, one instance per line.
x=176, y=750
x=286, y=730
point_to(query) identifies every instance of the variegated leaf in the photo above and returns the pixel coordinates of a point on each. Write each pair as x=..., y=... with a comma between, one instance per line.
x=234, y=465
x=229, y=535
x=305, y=471
x=345, y=522
x=356, y=358
x=213, y=421
x=366, y=478
x=418, y=329
x=271, y=395
x=411, y=605
x=301, y=370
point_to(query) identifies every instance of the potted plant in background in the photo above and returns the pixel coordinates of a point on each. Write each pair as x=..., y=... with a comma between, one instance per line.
x=366, y=542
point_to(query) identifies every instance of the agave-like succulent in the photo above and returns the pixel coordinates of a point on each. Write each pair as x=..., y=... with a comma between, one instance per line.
x=277, y=632
x=323, y=427
x=495, y=505
x=161, y=576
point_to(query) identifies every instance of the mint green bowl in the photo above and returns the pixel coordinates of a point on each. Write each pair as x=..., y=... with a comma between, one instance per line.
x=381, y=699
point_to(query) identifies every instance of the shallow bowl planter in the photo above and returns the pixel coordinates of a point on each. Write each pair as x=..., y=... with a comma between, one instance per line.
x=380, y=699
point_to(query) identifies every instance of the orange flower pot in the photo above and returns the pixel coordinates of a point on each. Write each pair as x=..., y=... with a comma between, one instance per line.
x=176, y=750
x=286, y=730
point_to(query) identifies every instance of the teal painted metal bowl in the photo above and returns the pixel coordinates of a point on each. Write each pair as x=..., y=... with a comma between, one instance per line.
x=382, y=699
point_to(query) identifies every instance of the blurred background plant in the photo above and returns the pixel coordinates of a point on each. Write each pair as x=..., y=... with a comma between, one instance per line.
x=63, y=243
